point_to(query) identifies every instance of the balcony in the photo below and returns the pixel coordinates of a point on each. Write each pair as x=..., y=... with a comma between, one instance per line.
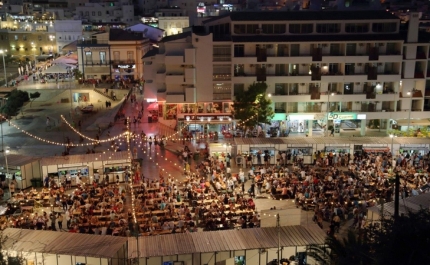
x=97, y=63
x=123, y=61
x=175, y=78
x=174, y=59
x=160, y=77
x=221, y=77
x=222, y=96
x=92, y=42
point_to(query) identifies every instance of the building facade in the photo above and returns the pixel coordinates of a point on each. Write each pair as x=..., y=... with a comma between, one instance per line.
x=340, y=68
x=113, y=55
x=118, y=11
x=37, y=37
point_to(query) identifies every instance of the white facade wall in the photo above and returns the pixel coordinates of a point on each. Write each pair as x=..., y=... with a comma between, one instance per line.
x=172, y=25
x=67, y=31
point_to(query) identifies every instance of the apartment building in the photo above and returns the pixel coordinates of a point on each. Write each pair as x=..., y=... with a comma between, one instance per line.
x=341, y=68
x=112, y=55
x=115, y=11
x=35, y=37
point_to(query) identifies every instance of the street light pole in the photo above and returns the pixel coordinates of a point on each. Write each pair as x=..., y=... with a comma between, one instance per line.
x=328, y=110
x=410, y=109
x=7, y=166
x=2, y=52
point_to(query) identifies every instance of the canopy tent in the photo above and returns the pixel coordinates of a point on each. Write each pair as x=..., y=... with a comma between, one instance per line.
x=57, y=69
x=153, y=106
x=65, y=60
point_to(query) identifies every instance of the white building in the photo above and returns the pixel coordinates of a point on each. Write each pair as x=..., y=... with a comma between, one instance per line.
x=67, y=31
x=118, y=11
x=320, y=67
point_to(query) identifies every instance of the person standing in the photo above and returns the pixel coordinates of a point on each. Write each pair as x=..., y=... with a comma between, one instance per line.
x=60, y=221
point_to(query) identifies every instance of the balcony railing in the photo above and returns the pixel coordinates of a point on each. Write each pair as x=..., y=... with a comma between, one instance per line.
x=97, y=63
x=221, y=96
x=92, y=42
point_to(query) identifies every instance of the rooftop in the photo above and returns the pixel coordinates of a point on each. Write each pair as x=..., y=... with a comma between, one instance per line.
x=226, y=240
x=311, y=15
x=124, y=35
x=52, y=242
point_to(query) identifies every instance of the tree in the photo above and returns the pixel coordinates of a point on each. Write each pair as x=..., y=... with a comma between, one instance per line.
x=402, y=240
x=33, y=96
x=14, y=101
x=352, y=250
x=78, y=74
x=5, y=259
x=252, y=106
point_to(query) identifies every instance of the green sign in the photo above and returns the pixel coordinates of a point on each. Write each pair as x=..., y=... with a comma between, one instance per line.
x=342, y=116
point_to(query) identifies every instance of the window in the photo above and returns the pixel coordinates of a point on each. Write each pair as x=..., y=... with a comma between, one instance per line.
x=245, y=28
x=251, y=29
x=384, y=27
x=328, y=28
x=238, y=88
x=301, y=28
x=16, y=37
x=1, y=37
x=221, y=91
x=239, y=50
x=40, y=38
x=357, y=27
x=221, y=53
x=116, y=56
x=273, y=28
x=221, y=72
x=88, y=57
x=87, y=13
x=93, y=13
x=102, y=57
x=24, y=37
x=239, y=70
x=99, y=13
x=130, y=57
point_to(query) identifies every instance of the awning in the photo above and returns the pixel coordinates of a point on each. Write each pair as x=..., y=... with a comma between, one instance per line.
x=404, y=148
x=337, y=147
x=376, y=149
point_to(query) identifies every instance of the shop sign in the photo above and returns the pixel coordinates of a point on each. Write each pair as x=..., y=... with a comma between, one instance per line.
x=126, y=66
x=342, y=116
x=300, y=117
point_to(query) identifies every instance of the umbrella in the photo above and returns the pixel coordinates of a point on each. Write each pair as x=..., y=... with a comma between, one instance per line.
x=65, y=60
x=56, y=69
x=153, y=106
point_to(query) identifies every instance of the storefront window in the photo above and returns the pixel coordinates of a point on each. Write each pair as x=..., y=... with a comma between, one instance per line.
x=227, y=107
x=115, y=169
x=170, y=112
x=187, y=108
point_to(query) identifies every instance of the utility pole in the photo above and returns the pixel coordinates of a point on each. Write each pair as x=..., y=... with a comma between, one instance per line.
x=278, y=225
x=396, y=196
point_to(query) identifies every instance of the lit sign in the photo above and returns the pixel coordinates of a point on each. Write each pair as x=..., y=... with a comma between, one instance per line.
x=201, y=8
x=342, y=116
x=126, y=66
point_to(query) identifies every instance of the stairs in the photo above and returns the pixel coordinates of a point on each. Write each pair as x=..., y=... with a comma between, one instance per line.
x=103, y=94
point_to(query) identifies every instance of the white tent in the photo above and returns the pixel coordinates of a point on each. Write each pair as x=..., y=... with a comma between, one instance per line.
x=56, y=69
x=65, y=60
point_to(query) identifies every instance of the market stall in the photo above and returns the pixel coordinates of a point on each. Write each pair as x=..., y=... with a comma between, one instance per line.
x=111, y=164
x=23, y=168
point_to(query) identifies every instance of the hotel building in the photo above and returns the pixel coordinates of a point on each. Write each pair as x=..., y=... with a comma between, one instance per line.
x=341, y=68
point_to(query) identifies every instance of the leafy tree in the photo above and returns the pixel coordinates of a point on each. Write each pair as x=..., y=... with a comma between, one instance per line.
x=252, y=106
x=402, y=240
x=78, y=74
x=348, y=251
x=33, y=96
x=15, y=101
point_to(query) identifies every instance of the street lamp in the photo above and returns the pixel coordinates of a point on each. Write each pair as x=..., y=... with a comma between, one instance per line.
x=5, y=159
x=2, y=52
x=392, y=148
x=33, y=46
x=328, y=109
x=410, y=109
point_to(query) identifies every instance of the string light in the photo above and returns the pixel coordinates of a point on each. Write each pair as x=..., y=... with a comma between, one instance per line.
x=91, y=139
x=45, y=140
